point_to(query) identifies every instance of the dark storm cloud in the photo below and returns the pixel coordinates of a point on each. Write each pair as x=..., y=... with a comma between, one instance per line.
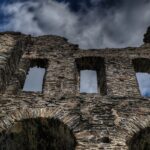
x=90, y=23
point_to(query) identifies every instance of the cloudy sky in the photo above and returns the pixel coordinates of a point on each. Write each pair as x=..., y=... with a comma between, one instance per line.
x=89, y=23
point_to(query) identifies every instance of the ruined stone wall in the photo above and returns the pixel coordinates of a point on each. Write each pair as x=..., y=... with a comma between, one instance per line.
x=98, y=121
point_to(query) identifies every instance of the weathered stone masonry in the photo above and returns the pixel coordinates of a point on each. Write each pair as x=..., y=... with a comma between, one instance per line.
x=111, y=119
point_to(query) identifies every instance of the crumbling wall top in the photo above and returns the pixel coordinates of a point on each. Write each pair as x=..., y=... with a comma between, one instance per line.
x=147, y=36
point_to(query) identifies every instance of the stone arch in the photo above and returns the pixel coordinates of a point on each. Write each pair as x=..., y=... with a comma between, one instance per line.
x=134, y=133
x=36, y=129
x=140, y=140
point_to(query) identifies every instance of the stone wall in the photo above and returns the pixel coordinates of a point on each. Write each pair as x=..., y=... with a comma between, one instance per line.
x=97, y=121
x=11, y=50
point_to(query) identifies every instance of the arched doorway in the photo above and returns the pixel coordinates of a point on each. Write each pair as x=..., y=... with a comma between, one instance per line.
x=141, y=140
x=38, y=134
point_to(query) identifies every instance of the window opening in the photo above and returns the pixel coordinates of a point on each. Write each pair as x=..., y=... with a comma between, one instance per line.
x=91, y=77
x=88, y=81
x=142, y=69
x=35, y=76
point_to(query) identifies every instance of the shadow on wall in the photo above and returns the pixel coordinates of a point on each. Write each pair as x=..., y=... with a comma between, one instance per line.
x=38, y=134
